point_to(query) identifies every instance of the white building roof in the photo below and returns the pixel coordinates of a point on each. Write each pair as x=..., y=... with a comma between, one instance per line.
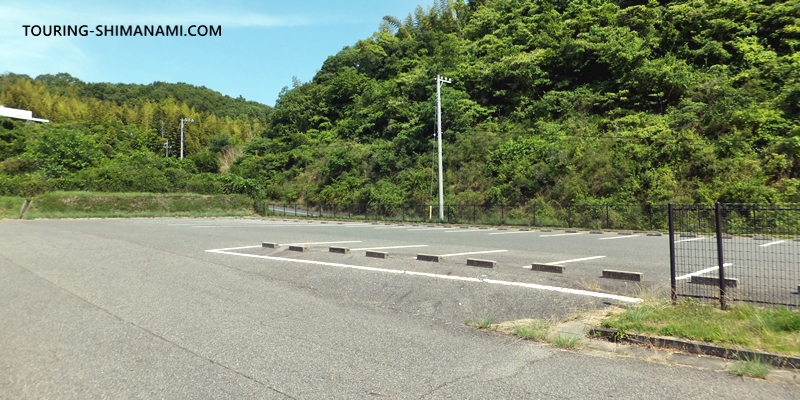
x=20, y=114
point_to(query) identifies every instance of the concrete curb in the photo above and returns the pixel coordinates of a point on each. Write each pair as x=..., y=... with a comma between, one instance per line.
x=429, y=258
x=712, y=281
x=555, y=269
x=339, y=250
x=481, y=263
x=270, y=245
x=622, y=275
x=301, y=249
x=377, y=254
x=689, y=346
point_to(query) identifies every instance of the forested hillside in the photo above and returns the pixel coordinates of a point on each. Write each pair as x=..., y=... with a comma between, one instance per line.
x=562, y=101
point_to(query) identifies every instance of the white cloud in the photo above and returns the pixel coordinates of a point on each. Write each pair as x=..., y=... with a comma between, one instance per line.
x=35, y=56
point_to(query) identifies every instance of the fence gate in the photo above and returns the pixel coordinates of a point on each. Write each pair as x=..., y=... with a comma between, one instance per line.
x=735, y=252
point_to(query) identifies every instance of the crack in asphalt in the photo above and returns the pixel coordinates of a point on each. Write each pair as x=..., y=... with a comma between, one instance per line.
x=148, y=331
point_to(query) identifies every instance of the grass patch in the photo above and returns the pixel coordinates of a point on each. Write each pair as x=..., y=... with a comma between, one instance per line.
x=108, y=205
x=10, y=206
x=751, y=368
x=533, y=330
x=483, y=322
x=742, y=326
x=567, y=342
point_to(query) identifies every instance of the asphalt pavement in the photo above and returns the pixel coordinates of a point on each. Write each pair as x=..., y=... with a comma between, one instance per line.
x=196, y=308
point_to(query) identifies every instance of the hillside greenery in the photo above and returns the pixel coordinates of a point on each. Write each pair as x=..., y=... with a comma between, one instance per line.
x=584, y=101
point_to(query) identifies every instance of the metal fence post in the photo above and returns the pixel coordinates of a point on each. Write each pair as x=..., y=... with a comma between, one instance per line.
x=672, y=267
x=720, y=257
x=569, y=215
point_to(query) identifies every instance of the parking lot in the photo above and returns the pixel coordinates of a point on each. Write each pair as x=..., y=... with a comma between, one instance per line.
x=583, y=255
x=198, y=308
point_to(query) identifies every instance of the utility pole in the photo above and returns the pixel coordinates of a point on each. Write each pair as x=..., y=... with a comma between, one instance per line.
x=182, y=121
x=439, y=81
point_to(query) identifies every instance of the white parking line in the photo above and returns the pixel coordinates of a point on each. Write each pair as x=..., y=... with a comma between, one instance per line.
x=466, y=230
x=574, y=260
x=243, y=247
x=772, y=243
x=473, y=252
x=508, y=233
x=346, y=241
x=428, y=229
x=439, y=276
x=563, y=234
x=618, y=237
x=689, y=240
x=390, y=247
x=701, y=272
x=391, y=227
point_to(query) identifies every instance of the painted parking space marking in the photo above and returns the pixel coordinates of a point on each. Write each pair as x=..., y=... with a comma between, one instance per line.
x=345, y=241
x=509, y=233
x=392, y=227
x=619, y=237
x=689, y=240
x=243, y=247
x=574, y=260
x=563, y=234
x=390, y=247
x=428, y=229
x=701, y=272
x=466, y=230
x=435, y=276
x=472, y=252
x=772, y=243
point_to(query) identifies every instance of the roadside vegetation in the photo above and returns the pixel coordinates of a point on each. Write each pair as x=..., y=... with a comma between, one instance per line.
x=741, y=326
x=10, y=207
x=751, y=368
x=552, y=102
x=484, y=322
x=107, y=205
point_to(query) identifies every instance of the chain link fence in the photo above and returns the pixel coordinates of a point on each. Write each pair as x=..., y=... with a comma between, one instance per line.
x=736, y=252
x=645, y=217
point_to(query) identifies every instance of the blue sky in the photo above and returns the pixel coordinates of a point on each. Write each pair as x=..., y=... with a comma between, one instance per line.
x=263, y=43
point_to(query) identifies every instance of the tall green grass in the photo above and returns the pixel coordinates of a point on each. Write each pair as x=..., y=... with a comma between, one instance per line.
x=10, y=206
x=743, y=326
x=106, y=205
